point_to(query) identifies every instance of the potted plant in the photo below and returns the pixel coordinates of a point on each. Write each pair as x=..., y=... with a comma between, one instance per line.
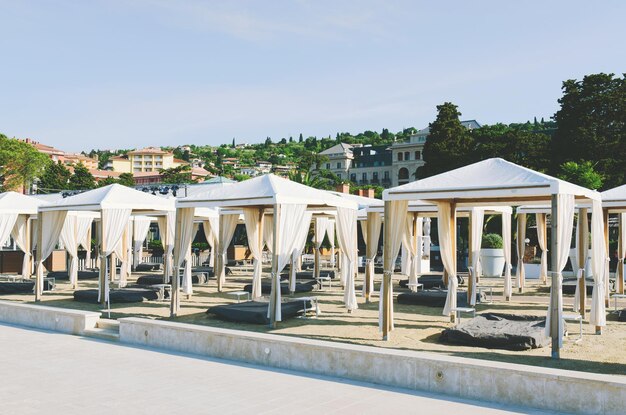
x=532, y=269
x=492, y=255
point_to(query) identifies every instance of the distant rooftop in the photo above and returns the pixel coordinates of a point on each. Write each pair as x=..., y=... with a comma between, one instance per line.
x=469, y=124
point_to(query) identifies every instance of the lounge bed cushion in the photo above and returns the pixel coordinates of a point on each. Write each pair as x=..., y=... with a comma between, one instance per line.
x=622, y=315
x=569, y=285
x=122, y=295
x=22, y=287
x=499, y=331
x=430, y=281
x=158, y=279
x=255, y=312
x=82, y=275
x=308, y=275
x=209, y=270
x=301, y=287
x=148, y=266
x=434, y=298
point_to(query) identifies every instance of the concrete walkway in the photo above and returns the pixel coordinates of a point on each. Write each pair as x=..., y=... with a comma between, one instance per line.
x=51, y=373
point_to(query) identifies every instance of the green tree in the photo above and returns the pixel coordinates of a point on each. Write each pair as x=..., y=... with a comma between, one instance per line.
x=82, y=179
x=20, y=163
x=109, y=180
x=126, y=179
x=300, y=138
x=55, y=177
x=449, y=143
x=174, y=175
x=591, y=125
x=582, y=174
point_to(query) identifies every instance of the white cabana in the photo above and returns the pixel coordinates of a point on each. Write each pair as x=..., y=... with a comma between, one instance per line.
x=291, y=206
x=75, y=229
x=116, y=204
x=614, y=202
x=492, y=182
x=16, y=214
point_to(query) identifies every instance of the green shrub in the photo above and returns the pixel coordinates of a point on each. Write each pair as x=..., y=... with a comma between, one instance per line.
x=492, y=241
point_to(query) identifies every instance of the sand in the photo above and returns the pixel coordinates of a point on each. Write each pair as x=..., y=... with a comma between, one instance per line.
x=416, y=328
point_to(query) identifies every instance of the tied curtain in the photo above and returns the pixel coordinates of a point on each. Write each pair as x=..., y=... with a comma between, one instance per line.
x=444, y=227
x=187, y=284
x=141, y=227
x=19, y=234
x=600, y=266
x=410, y=244
x=405, y=258
x=268, y=232
x=394, y=229
x=7, y=222
x=427, y=237
x=521, y=247
x=331, y=237
x=124, y=250
x=253, y=219
x=182, y=247
x=477, y=217
x=74, y=230
x=114, y=223
x=211, y=226
x=565, y=223
x=291, y=217
x=167, y=226
x=51, y=226
x=542, y=236
x=321, y=226
x=226, y=232
x=347, y=236
x=300, y=240
x=506, y=236
x=372, y=235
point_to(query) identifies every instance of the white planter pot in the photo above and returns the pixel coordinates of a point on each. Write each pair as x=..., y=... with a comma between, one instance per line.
x=532, y=271
x=492, y=262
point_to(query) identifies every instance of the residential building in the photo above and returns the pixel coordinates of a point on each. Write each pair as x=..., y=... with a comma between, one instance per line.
x=371, y=165
x=339, y=159
x=70, y=159
x=149, y=159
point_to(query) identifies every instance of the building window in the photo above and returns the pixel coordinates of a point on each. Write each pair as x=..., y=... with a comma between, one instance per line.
x=353, y=177
x=418, y=155
x=407, y=156
x=403, y=174
x=386, y=175
x=338, y=165
x=400, y=156
x=327, y=166
x=375, y=175
x=364, y=176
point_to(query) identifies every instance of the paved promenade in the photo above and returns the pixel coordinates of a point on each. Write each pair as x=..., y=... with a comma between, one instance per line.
x=44, y=372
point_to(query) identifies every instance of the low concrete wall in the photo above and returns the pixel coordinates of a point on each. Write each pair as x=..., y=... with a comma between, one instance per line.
x=560, y=390
x=48, y=318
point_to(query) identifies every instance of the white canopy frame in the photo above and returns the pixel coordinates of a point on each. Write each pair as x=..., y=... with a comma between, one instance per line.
x=115, y=204
x=614, y=203
x=278, y=194
x=499, y=182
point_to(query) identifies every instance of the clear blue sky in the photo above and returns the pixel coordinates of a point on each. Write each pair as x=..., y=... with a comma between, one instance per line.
x=131, y=73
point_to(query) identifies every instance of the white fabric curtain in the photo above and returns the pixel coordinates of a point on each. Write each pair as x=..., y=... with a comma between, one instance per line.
x=51, y=226
x=290, y=219
x=123, y=251
x=167, y=236
x=320, y=232
x=268, y=232
x=141, y=227
x=506, y=236
x=600, y=266
x=331, y=236
x=410, y=244
x=85, y=242
x=476, y=235
x=74, y=230
x=300, y=240
x=542, y=236
x=253, y=219
x=19, y=234
x=182, y=245
x=565, y=222
x=444, y=212
x=374, y=225
x=521, y=248
x=405, y=258
x=343, y=269
x=226, y=233
x=115, y=222
x=622, y=253
x=211, y=229
x=347, y=236
x=395, y=230
x=7, y=222
x=427, y=237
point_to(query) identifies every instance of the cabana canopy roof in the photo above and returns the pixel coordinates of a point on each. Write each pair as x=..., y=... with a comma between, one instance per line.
x=615, y=199
x=262, y=191
x=113, y=196
x=362, y=201
x=13, y=202
x=490, y=181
